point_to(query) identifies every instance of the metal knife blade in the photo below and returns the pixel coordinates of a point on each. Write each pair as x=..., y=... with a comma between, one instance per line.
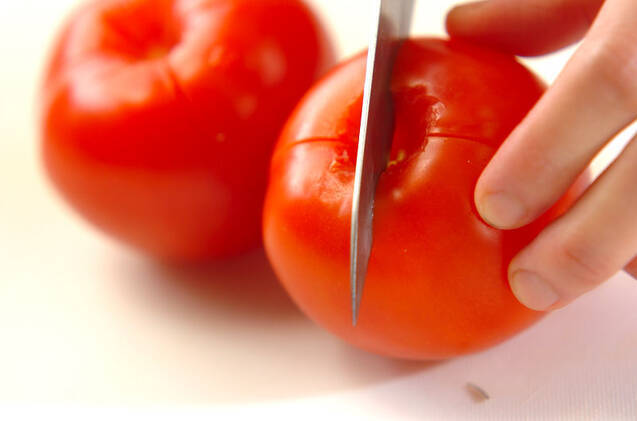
x=391, y=21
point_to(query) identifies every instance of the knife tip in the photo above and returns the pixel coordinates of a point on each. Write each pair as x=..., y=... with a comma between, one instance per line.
x=355, y=304
x=354, y=298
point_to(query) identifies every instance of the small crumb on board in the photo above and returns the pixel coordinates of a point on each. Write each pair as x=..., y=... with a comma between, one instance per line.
x=477, y=393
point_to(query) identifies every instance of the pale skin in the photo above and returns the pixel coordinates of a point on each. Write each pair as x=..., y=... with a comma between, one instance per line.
x=593, y=99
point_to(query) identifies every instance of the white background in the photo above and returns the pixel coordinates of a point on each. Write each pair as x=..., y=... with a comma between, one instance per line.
x=84, y=321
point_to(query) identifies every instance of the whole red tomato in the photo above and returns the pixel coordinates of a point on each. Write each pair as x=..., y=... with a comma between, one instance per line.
x=159, y=116
x=436, y=285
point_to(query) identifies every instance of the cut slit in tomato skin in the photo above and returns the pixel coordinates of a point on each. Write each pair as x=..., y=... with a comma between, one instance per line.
x=159, y=117
x=437, y=284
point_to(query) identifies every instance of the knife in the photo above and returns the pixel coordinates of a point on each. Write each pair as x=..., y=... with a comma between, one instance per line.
x=391, y=21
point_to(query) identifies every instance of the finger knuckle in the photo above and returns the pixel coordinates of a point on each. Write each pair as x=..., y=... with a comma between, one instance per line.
x=582, y=263
x=613, y=63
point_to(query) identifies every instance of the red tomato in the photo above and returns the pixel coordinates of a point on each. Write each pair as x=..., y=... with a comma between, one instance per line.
x=159, y=116
x=436, y=285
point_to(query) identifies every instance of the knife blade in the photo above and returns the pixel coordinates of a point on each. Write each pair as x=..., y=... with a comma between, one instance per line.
x=391, y=21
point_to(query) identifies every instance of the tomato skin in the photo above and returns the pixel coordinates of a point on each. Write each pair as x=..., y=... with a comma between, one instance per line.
x=159, y=117
x=436, y=284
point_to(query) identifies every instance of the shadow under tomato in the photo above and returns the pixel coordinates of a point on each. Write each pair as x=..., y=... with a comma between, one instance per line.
x=236, y=336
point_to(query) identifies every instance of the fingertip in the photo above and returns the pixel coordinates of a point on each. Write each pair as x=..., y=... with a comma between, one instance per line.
x=502, y=210
x=532, y=291
x=497, y=207
x=460, y=18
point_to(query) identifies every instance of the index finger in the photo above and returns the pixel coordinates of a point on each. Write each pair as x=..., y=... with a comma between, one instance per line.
x=593, y=99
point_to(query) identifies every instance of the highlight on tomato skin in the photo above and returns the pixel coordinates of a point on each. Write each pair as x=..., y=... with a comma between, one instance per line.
x=436, y=284
x=159, y=116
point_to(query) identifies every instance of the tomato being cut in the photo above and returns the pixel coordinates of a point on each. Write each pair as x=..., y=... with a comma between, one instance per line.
x=159, y=116
x=436, y=284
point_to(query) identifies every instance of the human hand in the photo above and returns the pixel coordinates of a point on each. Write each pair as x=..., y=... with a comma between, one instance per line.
x=593, y=99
